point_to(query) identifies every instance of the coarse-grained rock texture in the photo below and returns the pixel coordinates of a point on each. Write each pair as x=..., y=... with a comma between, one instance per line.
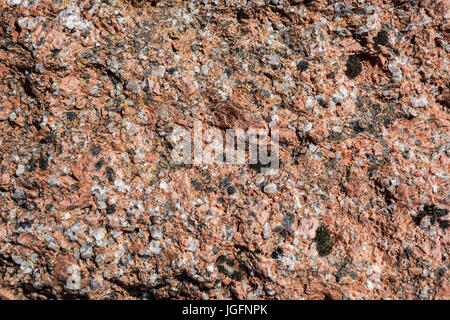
x=93, y=206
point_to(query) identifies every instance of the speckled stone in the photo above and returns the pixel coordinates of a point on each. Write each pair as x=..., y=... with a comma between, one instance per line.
x=94, y=94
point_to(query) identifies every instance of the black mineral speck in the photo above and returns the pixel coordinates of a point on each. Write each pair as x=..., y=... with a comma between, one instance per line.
x=277, y=253
x=110, y=209
x=356, y=126
x=433, y=212
x=25, y=223
x=407, y=253
x=71, y=115
x=230, y=262
x=381, y=38
x=236, y=275
x=222, y=270
x=110, y=174
x=302, y=66
x=31, y=164
x=231, y=190
x=171, y=70
x=43, y=162
x=49, y=138
x=95, y=150
x=288, y=220
x=440, y=272
x=221, y=259
x=241, y=14
x=99, y=164
x=197, y=185
x=444, y=224
x=354, y=67
x=323, y=241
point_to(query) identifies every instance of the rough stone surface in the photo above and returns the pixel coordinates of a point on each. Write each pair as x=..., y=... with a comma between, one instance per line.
x=92, y=206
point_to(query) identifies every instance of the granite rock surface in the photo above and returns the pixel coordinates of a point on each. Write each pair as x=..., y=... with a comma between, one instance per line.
x=92, y=206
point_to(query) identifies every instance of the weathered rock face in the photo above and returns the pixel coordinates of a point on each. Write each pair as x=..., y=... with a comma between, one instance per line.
x=93, y=206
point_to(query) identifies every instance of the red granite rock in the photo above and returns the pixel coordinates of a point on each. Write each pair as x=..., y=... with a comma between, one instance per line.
x=94, y=93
